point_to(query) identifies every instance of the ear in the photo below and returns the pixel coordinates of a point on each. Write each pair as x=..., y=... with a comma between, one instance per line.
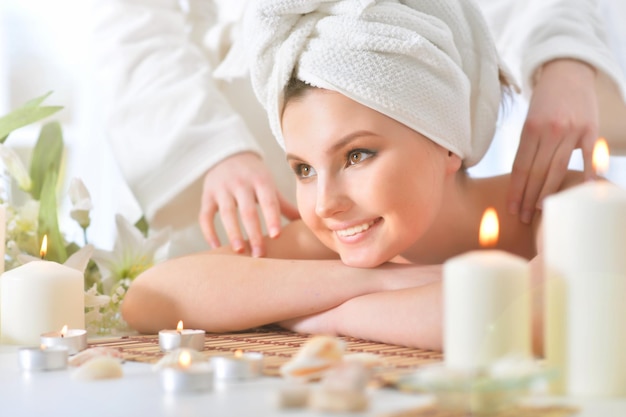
x=453, y=163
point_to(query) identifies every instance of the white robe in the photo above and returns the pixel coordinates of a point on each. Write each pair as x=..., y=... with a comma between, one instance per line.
x=168, y=120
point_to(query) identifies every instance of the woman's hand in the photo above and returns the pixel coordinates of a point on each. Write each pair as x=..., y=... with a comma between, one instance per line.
x=562, y=116
x=234, y=187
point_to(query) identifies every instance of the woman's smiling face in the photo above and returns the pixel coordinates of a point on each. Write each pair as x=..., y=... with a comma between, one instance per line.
x=368, y=186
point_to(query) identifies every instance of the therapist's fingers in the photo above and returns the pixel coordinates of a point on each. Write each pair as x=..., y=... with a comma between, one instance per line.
x=206, y=218
x=247, y=205
x=526, y=152
x=287, y=209
x=536, y=178
x=228, y=213
x=269, y=204
x=587, y=147
x=557, y=168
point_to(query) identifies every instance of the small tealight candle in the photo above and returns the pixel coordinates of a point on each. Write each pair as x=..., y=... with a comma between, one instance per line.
x=241, y=366
x=181, y=338
x=75, y=340
x=187, y=377
x=42, y=358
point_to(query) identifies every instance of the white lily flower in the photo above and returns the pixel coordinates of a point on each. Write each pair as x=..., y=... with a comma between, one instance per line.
x=16, y=167
x=132, y=254
x=81, y=203
x=95, y=300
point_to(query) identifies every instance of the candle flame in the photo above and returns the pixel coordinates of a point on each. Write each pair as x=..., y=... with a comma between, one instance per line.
x=179, y=327
x=64, y=331
x=184, y=359
x=489, y=228
x=600, y=157
x=44, y=247
x=238, y=353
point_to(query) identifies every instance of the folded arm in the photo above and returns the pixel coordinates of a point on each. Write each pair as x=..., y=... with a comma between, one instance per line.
x=219, y=291
x=406, y=317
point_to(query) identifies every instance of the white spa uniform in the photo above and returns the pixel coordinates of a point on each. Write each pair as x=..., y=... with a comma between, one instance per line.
x=169, y=120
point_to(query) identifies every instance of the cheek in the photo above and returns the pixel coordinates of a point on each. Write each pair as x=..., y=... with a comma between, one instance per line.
x=413, y=196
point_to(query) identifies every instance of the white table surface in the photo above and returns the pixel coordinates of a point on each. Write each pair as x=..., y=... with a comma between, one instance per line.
x=139, y=393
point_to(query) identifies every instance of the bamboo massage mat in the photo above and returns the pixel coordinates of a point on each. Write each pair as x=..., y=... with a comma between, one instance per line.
x=277, y=346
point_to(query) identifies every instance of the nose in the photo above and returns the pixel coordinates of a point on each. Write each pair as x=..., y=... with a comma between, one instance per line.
x=331, y=198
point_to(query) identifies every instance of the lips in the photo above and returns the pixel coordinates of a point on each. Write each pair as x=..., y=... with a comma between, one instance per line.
x=354, y=230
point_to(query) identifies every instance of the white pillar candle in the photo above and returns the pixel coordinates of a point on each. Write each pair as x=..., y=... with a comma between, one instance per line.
x=585, y=265
x=38, y=297
x=486, y=308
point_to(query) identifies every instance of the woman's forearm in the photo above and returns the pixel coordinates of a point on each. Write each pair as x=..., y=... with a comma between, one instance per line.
x=407, y=317
x=220, y=293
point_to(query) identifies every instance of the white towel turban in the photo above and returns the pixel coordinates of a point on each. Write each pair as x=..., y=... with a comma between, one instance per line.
x=429, y=64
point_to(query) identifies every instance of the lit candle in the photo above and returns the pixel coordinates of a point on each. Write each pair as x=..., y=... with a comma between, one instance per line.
x=585, y=268
x=486, y=304
x=42, y=358
x=75, y=340
x=240, y=366
x=187, y=377
x=181, y=338
x=39, y=296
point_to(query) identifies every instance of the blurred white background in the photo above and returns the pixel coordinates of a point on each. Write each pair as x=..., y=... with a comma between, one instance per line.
x=45, y=45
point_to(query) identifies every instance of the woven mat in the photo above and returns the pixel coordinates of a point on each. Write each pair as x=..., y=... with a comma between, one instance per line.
x=277, y=346
x=430, y=411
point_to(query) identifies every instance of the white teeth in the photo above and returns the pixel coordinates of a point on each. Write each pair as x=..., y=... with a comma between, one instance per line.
x=354, y=230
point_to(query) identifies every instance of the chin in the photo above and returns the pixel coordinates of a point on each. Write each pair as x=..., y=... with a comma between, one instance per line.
x=362, y=261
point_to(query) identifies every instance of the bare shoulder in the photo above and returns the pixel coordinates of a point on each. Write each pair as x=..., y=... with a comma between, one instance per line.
x=296, y=241
x=571, y=179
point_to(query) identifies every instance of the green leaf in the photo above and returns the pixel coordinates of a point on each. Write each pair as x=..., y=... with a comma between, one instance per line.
x=23, y=117
x=30, y=112
x=35, y=102
x=48, y=220
x=47, y=156
x=142, y=226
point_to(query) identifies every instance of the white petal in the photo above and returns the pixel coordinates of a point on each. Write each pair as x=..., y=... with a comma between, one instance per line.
x=78, y=191
x=16, y=168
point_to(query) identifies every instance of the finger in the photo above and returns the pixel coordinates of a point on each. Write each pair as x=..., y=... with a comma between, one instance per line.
x=246, y=203
x=536, y=179
x=290, y=211
x=587, y=146
x=206, y=218
x=557, y=169
x=228, y=214
x=522, y=164
x=270, y=207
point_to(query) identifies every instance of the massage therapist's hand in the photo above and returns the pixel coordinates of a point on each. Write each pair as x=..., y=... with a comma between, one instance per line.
x=235, y=186
x=562, y=116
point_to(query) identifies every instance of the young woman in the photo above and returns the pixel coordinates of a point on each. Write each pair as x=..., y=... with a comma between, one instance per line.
x=379, y=160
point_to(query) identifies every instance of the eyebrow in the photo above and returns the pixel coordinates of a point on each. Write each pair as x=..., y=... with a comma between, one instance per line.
x=341, y=143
